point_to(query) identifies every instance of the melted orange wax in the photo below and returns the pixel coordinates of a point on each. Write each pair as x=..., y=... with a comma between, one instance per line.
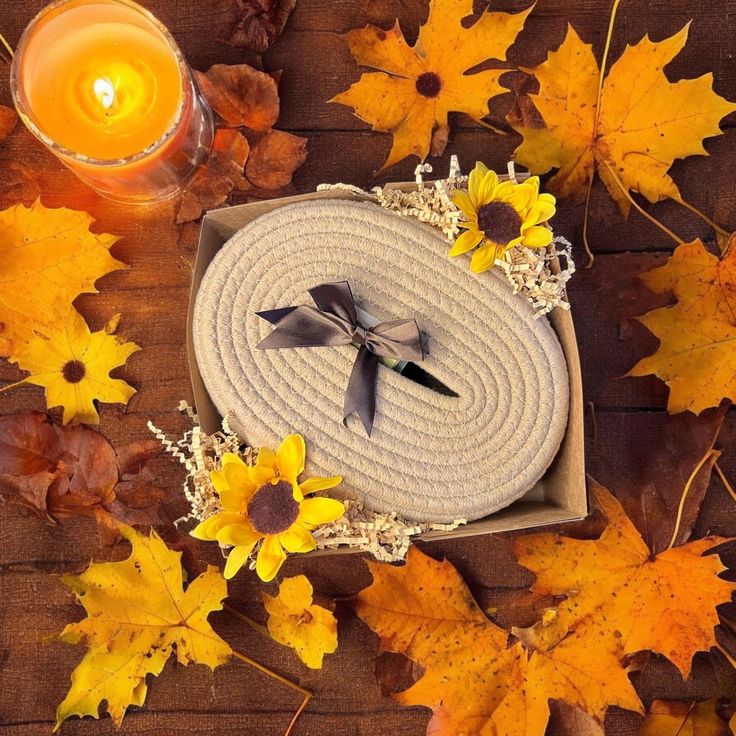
x=101, y=80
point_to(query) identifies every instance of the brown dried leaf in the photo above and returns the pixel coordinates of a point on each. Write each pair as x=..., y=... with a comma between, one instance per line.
x=653, y=484
x=241, y=95
x=133, y=457
x=17, y=186
x=274, y=158
x=8, y=119
x=64, y=471
x=256, y=24
x=214, y=182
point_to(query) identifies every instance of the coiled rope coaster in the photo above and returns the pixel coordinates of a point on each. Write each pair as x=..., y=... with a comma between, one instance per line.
x=431, y=457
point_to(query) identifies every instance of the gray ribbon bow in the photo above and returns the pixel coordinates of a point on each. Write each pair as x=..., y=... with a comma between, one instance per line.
x=335, y=322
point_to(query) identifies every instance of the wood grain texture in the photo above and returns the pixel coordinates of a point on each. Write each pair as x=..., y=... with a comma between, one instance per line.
x=152, y=296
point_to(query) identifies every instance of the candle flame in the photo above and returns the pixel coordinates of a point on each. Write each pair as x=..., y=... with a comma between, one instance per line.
x=105, y=92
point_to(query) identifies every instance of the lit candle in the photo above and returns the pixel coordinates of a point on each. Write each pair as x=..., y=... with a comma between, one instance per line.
x=103, y=84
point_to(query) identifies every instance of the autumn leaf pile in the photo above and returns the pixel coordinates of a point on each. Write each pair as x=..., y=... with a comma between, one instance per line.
x=618, y=599
x=248, y=156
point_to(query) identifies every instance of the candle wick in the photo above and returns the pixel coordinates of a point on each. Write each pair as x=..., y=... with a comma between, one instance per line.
x=104, y=91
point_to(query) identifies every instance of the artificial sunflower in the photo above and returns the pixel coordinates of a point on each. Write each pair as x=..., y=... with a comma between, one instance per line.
x=265, y=502
x=500, y=215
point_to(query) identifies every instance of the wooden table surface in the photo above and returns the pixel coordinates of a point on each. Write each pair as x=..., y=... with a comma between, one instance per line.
x=153, y=294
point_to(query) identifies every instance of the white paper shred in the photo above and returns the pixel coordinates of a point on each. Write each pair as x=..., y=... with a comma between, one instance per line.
x=538, y=274
x=385, y=535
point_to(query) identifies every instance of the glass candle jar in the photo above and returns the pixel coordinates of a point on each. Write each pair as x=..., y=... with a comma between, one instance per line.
x=103, y=84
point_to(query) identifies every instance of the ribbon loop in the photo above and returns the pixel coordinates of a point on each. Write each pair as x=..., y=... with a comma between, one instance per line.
x=335, y=322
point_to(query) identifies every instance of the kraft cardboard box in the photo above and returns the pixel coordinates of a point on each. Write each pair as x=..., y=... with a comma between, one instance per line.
x=560, y=495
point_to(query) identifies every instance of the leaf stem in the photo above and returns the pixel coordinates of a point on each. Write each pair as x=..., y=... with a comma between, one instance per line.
x=703, y=216
x=724, y=480
x=639, y=208
x=262, y=630
x=686, y=490
x=306, y=694
x=7, y=46
x=586, y=244
x=8, y=386
x=604, y=61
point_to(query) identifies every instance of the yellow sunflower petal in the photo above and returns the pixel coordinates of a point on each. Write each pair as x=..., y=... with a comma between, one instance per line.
x=270, y=558
x=487, y=188
x=542, y=211
x=474, y=181
x=218, y=480
x=503, y=191
x=266, y=459
x=234, y=500
x=312, y=485
x=238, y=477
x=533, y=182
x=260, y=474
x=463, y=201
x=238, y=535
x=297, y=539
x=483, y=258
x=207, y=530
x=290, y=457
x=465, y=242
x=522, y=198
x=537, y=237
x=316, y=511
x=237, y=557
x=230, y=458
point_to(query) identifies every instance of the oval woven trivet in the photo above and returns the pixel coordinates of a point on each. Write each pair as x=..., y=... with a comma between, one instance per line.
x=431, y=457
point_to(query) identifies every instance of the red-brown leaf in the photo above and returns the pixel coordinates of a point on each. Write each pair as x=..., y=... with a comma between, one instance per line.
x=214, y=182
x=256, y=24
x=64, y=471
x=241, y=95
x=274, y=158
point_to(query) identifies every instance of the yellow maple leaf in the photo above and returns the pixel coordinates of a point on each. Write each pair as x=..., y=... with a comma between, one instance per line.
x=49, y=258
x=619, y=600
x=697, y=350
x=631, y=134
x=417, y=86
x=676, y=718
x=296, y=622
x=138, y=615
x=74, y=364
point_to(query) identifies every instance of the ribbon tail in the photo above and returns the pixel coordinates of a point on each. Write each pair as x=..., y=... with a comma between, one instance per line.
x=360, y=396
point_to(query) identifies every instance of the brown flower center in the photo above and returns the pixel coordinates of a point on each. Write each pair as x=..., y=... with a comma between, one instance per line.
x=499, y=221
x=428, y=84
x=272, y=509
x=73, y=371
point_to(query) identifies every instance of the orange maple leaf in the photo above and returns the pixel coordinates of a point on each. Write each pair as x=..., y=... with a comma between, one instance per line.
x=697, y=350
x=620, y=600
x=417, y=86
x=629, y=128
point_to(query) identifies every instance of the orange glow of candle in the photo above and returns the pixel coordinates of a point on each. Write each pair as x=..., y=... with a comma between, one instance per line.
x=103, y=84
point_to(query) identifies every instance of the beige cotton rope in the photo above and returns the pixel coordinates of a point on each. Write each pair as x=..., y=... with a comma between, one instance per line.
x=430, y=457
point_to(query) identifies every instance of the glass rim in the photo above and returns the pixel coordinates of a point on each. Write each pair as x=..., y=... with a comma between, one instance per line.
x=24, y=108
